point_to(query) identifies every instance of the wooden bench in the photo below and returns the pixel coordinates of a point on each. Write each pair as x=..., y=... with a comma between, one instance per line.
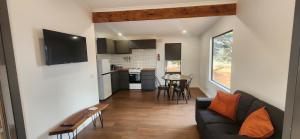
x=71, y=124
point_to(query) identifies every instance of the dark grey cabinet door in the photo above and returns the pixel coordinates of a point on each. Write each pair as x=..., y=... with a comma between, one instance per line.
x=110, y=46
x=148, y=84
x=143, y=44
x=105, y=46
x=148, y=80
x=122, y=47
x=124, y=80
x=115, y=82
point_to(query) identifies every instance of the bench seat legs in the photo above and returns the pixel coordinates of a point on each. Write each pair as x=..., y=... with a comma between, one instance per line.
x=101, y=119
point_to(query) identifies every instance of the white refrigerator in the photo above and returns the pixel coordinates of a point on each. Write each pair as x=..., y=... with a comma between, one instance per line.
x=104, y=79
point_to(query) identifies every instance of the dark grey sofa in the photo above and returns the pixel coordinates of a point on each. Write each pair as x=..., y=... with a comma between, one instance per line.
x=214, y=126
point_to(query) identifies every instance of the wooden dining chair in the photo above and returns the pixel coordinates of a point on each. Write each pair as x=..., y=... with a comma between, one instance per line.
x=161, y=87
x=180, y=91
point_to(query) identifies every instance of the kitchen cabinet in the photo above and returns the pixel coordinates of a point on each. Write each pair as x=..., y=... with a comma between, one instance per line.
x=148, y=80
x=122, y=47
x=124, y=80
x=115, y=82
x=109, y=46
x=106, y=46
x=143, y=44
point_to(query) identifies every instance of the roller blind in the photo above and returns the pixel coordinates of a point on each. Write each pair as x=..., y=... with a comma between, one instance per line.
x=173, y=51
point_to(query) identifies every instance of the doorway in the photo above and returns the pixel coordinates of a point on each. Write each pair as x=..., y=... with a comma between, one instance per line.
x=11, y=115
x=292, y=111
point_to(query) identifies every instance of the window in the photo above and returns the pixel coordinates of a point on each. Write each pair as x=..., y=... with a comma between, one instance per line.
x=173, y=58
x=173, y=66
x=221, y=59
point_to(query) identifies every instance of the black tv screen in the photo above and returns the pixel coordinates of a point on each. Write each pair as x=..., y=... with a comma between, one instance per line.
x=61, y=48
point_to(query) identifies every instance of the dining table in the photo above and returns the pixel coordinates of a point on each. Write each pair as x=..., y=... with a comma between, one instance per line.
x=171, y=78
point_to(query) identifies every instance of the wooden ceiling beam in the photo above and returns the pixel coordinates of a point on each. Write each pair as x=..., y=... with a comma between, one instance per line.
x=165, y=13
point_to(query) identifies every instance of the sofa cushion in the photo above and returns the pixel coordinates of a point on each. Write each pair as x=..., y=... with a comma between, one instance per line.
x=203, y=103
x=275, y=114
x=243, y=107
x=224, y=131
x=209, y=117
x=257, y=125
x=225, y=104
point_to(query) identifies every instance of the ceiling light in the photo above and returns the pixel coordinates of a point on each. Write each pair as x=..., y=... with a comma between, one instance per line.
x=183, y=31
x=120, y=34
x=74, y=37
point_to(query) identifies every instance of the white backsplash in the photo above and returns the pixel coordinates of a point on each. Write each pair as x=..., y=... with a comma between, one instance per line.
x=140, y=58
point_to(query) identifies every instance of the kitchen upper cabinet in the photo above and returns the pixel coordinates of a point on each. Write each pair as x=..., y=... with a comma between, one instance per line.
x=105, y=46
x=143, y=44
x=109, y=46
x=122, y=47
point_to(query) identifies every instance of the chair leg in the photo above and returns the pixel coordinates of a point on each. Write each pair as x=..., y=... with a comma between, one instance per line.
x=173, y=93
x=168, y=93
x=158, y=93
x=189, y=93
x=185, y=97
x=177, y=95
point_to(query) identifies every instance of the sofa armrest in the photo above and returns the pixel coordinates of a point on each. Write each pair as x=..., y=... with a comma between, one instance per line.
x=203, y=103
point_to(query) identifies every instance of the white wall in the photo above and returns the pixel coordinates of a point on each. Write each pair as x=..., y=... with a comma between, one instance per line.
x=261, y=49
x=189, y=55
x=139, y=58
x=51, y=93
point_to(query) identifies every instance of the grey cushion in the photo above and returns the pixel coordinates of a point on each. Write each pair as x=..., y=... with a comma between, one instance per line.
x=244, y=104
x=225, y=131
x=210, y=117
x=203, y=103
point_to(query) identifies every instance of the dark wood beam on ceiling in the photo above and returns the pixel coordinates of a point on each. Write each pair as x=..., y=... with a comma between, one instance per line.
x=165, y=13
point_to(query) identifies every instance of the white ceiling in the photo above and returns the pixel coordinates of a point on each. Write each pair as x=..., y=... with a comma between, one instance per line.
x=167, y=27
x=117, y=5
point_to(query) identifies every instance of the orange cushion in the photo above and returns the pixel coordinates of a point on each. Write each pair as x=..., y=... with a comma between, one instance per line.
x=225, y=104
x=257, y=125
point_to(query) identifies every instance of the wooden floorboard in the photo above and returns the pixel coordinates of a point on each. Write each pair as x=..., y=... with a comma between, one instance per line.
x=139, y=115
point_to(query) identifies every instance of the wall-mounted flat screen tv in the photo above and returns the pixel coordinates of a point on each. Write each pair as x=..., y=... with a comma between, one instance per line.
x=62, y=48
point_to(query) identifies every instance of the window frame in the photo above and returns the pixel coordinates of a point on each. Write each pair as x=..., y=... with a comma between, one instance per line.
x=211, y=63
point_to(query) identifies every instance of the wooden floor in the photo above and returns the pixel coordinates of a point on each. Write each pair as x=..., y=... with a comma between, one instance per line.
x=139, y=115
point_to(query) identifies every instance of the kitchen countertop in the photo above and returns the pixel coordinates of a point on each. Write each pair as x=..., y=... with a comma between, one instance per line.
x=148, y=69
x=123, y=69
x=126, y=69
